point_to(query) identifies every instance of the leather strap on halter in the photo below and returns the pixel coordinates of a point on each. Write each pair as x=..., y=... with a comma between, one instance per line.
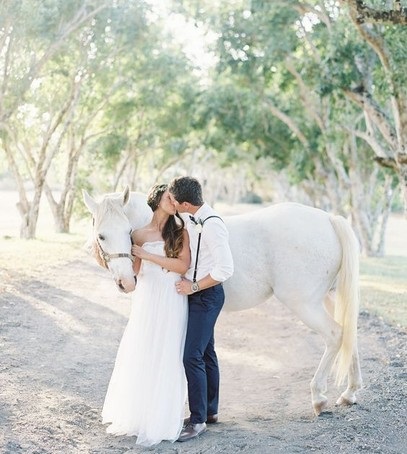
x=105, y=257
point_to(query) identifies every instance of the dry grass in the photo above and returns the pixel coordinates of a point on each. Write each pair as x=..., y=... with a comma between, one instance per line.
x=32, y=258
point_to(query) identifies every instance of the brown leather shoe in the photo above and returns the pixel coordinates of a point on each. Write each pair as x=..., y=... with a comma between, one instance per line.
x=211, y=419
x=191, y=431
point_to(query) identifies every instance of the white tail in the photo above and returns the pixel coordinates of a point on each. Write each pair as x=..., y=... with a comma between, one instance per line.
x=347, y=296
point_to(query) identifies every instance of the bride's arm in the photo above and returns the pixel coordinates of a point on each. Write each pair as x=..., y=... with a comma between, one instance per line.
x=136, y=238
x=178, y=265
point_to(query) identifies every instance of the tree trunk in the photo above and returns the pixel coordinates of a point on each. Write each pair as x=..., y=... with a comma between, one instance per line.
x=403, y=182
x=57, y=210
x=389, y=195
x=62, y=210
x=370, y=220
x=28, y=210
x=29, y=215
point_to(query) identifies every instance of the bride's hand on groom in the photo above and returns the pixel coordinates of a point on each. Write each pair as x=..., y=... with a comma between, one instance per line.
x=183, y=287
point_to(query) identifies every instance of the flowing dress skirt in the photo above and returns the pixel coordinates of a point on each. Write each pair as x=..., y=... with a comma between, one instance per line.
x=147, y=391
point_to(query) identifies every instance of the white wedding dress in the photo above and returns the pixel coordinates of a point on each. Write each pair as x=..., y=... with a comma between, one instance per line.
x=147, y=391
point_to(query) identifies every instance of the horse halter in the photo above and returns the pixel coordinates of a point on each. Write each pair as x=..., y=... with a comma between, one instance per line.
x=105, y=257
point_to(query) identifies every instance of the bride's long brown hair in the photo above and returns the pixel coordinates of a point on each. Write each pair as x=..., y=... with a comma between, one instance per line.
x=173, y=229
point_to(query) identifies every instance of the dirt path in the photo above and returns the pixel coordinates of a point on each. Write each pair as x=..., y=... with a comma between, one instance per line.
x=58, y=340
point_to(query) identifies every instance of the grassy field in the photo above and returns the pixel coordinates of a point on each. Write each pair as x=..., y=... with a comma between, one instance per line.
x=33, y=257
x=383, y=280
x=383, y=283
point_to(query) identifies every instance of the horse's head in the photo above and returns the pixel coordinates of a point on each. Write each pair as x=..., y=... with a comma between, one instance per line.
x=111, y=240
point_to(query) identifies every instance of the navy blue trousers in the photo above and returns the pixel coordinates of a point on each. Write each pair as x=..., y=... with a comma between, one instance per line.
x=200, y=360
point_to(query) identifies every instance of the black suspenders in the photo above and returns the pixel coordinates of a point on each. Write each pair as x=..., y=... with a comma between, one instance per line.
x=199, y=241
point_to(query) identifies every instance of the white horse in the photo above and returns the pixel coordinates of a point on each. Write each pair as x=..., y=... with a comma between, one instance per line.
x=305, y=257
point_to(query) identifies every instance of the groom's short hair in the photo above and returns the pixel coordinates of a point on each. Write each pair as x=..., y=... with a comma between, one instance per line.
x=186, y=189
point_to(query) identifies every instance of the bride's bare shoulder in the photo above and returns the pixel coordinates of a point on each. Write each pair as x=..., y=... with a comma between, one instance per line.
x=139, y=236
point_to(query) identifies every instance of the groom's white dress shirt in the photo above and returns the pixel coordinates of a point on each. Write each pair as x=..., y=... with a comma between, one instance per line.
x=215, y=257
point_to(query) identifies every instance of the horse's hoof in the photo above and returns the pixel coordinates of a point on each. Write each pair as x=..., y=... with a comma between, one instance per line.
x=343, y=401
x=320, y=407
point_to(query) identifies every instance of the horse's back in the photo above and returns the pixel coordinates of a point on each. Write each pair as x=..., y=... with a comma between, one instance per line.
x=290, y=225
x=294, y=253
x=287, y=214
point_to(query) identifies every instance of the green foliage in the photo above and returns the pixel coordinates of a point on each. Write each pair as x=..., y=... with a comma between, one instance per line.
x=339, y=73
x=130, y=94
x=254, y=40
x=232, y=114
x=175, y=147
x=109, y=147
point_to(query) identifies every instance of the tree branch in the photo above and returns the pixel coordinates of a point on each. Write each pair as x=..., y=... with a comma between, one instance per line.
x=378, y=45
x=304, y=8
x=306, y=94
x=378, y=118
x=378, y=150
x=387, y=162
x=365, y=14
x=288, y=122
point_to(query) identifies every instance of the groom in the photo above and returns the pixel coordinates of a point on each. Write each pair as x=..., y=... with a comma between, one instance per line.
x=211, y=264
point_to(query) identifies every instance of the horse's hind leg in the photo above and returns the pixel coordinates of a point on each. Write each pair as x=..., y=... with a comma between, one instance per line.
x=348, y=397
x=318, y=319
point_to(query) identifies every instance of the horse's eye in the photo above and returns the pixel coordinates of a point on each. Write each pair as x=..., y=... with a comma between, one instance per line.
x=101, y=237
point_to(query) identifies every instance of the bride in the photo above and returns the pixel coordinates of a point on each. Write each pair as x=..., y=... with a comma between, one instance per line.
x=147, y=391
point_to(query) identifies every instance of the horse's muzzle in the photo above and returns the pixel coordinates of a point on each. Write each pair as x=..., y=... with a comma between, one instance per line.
x=127, y=286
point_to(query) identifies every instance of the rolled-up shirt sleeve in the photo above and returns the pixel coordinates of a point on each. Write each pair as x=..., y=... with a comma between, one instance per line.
x=217, y=242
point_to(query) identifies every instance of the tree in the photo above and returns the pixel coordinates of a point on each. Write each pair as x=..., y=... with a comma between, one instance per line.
x=296, y=61
x=385, y=108
x=29, y=39
x=152, y=114
x=96, y=61
x=112, y=90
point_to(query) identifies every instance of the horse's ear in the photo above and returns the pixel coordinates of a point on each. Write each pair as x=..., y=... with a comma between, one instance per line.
x=89, y=202
x=126, y=195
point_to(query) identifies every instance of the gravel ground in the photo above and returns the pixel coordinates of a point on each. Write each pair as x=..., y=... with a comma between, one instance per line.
x=59, y=336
